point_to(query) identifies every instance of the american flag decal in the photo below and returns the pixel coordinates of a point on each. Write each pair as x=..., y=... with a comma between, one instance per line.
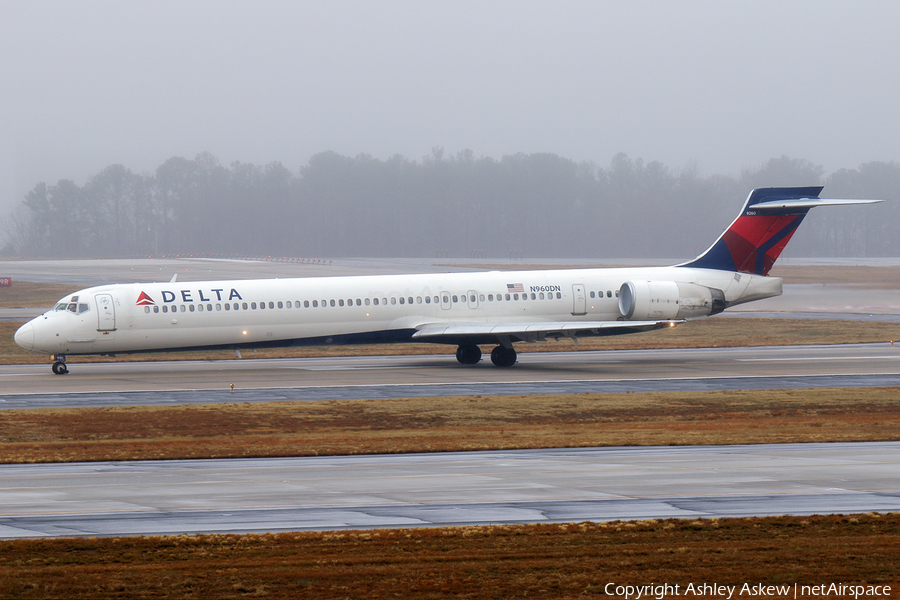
x=514, y=287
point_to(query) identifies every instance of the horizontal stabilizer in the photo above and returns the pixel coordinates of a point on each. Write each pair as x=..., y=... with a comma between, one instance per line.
x=807, y=203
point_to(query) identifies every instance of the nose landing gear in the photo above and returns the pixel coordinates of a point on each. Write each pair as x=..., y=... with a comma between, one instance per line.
x=59, y=366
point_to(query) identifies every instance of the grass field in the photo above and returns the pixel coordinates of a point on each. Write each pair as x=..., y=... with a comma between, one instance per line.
x=527, y=561
x=341, y=427
x=569, y=560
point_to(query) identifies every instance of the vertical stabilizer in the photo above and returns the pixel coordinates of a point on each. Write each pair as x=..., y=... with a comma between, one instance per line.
x=755, y=239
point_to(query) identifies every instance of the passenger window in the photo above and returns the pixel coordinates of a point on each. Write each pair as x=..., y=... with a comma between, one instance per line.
x=367, y=301
x=455, y=299
x=558, y=295
x=427, y=299
x=507, y=297
x=533, y=297
x=306, y=303
x=401, y=299
x=147, y=309
x=592, y=294
x=218, y=307
x=409, y=300
x=192, y=307
x=209, y=307
x=359, y=302
x=490, y=297
x=515, y=296
x=253, y=305
x=418, y=299
x=608, y=293
x=271, y=305
x=341, y=302
x=156, y=309
x=315, y=303
x=617, y=293
x=200, y=307
x=472, y=298
x=393, y=301
x=436, y=300
x=375, y=301
x=280, y=304
x=384, y=300
x=332, y=302
x=227, y=306
x=541, y=295
x=244, y=306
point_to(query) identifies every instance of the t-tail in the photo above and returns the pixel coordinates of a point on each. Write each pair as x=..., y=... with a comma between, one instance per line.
x=756, y=238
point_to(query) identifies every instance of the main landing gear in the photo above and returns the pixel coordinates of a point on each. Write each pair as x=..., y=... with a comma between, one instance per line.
x=470, y=354
x=59, y=367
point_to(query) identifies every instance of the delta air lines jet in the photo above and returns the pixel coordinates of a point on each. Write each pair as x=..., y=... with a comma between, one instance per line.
x=463, y=309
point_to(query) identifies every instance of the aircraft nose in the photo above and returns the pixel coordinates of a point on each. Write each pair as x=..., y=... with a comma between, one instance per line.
x=25, y=336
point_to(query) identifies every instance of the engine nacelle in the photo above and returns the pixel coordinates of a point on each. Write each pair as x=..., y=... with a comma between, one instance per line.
x=661, y=300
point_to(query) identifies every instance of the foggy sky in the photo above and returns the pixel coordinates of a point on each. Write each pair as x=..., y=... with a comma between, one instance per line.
x=717, y=85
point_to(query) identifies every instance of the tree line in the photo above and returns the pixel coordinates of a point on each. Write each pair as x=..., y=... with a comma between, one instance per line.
x=523, y=205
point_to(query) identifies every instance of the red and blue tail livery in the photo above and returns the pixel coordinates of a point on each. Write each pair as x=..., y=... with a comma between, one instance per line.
x=756, y=238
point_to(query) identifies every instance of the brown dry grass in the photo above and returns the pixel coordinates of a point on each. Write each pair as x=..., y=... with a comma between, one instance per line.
x=708, y=333
x=343, y=427
x=870, y=277
x=508, y=561
x=25, y=294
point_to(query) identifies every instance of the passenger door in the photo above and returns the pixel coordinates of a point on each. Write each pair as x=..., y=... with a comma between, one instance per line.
x=579, y=299
x=106, y=312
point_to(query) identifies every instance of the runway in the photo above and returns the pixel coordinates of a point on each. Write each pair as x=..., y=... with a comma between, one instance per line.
x=561, y=485
x=184, y=382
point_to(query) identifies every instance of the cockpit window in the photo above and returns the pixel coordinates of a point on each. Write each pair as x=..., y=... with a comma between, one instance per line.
x=75, y=307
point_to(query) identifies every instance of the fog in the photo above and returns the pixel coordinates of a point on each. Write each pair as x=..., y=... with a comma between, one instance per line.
x=713, y=87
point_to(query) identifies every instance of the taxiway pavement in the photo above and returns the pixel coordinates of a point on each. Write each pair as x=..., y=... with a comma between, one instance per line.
x=560, y=485
x=193, y=382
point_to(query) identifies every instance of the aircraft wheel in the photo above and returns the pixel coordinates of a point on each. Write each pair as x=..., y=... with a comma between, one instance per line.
x=59, y=368
x=503, y=357
x=468, y=354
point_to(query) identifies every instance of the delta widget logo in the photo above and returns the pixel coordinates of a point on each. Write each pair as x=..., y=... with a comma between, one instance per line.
x=144, y=300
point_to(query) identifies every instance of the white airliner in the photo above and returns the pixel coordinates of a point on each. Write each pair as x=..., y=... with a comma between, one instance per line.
x=463, y=309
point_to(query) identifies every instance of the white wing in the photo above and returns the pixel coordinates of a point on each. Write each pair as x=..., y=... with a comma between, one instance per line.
x=530, y=331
